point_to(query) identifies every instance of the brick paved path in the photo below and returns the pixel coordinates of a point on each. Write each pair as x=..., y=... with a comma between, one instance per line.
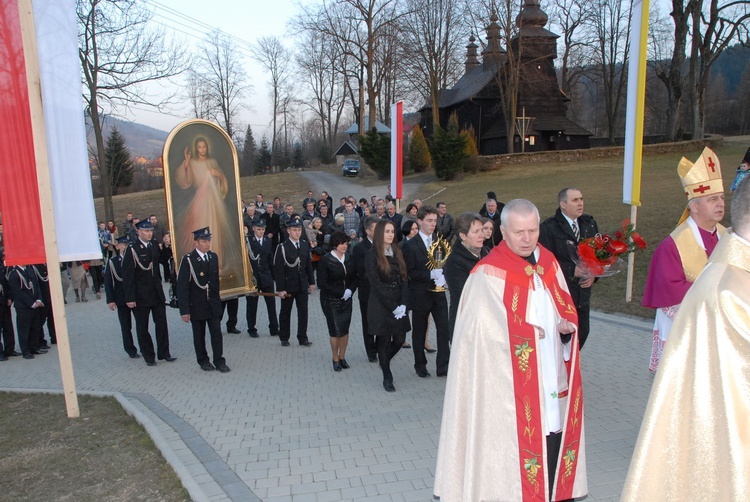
x=283, y=426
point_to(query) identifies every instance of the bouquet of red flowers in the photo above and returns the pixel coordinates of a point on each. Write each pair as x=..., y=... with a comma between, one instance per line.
x=601, y=255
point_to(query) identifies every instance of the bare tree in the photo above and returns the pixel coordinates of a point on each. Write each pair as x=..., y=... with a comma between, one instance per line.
x=120, y=51
x=221, y=80
x=610, y=22
x=319, y=62
x=432, y=31
x=714, y=25
x=275, y=58
x=199, y=94
x=570, y=17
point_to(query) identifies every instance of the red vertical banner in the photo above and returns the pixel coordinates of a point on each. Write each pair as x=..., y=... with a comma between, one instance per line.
x=23, y=237
x=397, y=149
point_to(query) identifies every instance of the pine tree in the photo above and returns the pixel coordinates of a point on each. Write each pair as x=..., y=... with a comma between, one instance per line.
x=472, y=161
x=263, y=160
x=376, y=151
x=299, y=155
x=248, y=154
x=447, y=149
x=118, y=161
x=419, y=154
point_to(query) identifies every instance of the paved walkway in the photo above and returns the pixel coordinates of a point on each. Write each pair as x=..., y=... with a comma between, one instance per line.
x=282, y=426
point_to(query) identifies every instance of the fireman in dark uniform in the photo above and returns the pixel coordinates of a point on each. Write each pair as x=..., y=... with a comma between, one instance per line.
x=115, y=294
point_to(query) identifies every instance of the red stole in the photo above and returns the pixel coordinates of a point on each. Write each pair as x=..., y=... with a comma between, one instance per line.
x=526, y=382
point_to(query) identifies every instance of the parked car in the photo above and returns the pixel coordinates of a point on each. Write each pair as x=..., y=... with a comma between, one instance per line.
x=351, y=167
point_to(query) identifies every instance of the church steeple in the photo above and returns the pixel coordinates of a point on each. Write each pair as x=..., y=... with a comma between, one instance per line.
x=531, y=15
x=493, y=53
x=472, y=61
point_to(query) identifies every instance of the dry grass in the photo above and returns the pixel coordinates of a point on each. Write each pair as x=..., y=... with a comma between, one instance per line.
x=104, y=455
x=601, y=183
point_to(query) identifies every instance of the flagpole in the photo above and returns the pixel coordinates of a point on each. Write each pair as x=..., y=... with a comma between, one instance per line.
x=636, y=103
x=28, y=34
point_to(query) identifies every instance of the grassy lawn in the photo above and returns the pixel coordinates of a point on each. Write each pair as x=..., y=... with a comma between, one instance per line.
x=104, y=455
x=600, y=181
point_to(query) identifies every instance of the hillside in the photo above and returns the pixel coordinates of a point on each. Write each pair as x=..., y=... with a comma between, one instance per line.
x=140, y=139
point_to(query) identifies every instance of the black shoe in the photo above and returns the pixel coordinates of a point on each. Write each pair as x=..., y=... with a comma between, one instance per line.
x=168, y=359
x=442, y=373
x=53, y=342
x=45, y=346
x=285, y=343
x=423, y=373
x=207, y=367
x=306, y=343
x=40, y=351
x=254, y=334
x=372, y=359
x=28, y=356
x=3, y=357
x=388, y=386
x=150, y=363
x=336, y=366
x=344, y=364
x=274, y=333
x=13, y=354
x=134, y=356
x=223, y=368
x=233, y=331
x=430, y=351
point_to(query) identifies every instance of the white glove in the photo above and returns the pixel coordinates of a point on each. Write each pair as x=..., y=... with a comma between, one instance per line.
x=435, y=274
x=347, y=294
x=440, y=281
x=399, y=312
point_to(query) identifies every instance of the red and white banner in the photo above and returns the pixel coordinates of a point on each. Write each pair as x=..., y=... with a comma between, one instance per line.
x=397, y=149
x=73, y=206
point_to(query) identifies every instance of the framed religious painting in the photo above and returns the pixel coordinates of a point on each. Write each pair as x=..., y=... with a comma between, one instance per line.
x=202, y=186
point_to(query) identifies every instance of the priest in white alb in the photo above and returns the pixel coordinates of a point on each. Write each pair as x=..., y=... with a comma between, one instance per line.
x=512, y=427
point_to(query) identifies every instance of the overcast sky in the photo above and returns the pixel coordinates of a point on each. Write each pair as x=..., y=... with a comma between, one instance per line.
x=246, y=21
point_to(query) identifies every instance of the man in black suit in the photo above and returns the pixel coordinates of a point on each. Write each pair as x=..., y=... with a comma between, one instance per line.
x=6, y=321
x=397, y=219
x=144, y=294
x=46, y=310
x=363, y=285
x=27, y=300
x=293, y=272
x=426, y=302
x=114, y=292
x=561, y=232
x=260, y=248
x=199, y=301
x=273, y=225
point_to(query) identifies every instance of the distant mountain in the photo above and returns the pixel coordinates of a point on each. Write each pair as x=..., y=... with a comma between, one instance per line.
x=140, y=139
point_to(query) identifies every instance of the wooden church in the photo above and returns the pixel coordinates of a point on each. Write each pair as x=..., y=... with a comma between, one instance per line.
x=476, y=97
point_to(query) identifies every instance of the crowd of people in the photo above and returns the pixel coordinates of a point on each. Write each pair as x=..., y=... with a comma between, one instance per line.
x=524, y=319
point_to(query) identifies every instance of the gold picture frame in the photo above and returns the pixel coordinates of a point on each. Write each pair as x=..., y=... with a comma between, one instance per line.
x=202, y=188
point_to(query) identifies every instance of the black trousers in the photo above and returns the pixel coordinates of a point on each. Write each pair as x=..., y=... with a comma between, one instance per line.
x=434, y=304
x=285, y=319
x=251, y=311
x=97, y=277
x=388, y=347
x=48, y=319
x=554, y=441
x=583, y=325
x=29, y=324
x=231, y=307
x=6, y=325
x=126, y=328
x=370, y=343
x=199, y=340
x=159, y=314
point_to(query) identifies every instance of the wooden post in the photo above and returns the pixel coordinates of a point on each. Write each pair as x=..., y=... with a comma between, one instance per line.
x=631, y=259
x=45, y=199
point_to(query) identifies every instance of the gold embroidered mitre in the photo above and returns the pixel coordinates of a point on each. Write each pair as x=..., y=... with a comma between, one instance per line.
x=701, y=178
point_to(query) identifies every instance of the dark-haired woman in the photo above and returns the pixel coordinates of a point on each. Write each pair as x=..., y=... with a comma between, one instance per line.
x=337, y=282
x=386, y=310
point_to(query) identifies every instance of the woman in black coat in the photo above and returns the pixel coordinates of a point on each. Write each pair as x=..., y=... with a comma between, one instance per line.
x=465, y=254
x=337, y=282
x=386, y=309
